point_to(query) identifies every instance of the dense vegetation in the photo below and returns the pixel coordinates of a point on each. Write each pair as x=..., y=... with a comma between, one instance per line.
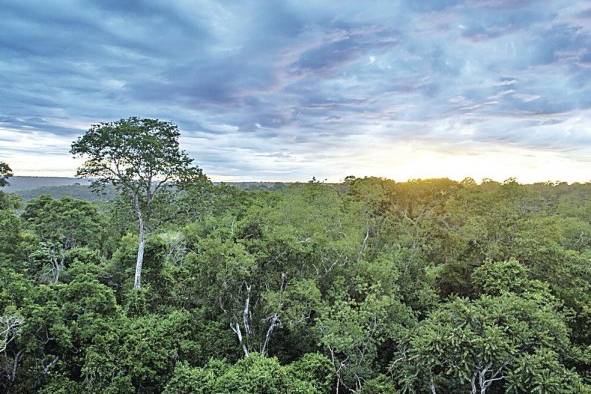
x=370, y=286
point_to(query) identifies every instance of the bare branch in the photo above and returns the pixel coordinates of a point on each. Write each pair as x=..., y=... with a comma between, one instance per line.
x=10, y=329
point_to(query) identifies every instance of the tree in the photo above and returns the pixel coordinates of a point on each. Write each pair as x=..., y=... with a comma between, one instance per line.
x=496, y=277
x=139, y=157
x=61, y=225
x=475, y=345
x=6, y=200
x=542, y=372
x=12, y=240
x=5, y=173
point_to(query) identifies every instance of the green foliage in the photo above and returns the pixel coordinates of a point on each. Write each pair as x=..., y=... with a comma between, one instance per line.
x=59, y=225
x=5, y=173
x=188, y=380
x=314, y=368
x=64, y=223
x=381, y=384
x=13, y=242
x=542, y=372
x=138, y=351
x=481, y=340
x=370, y=286
x=253, y=375
x=352, y=332
x=495, y=278
x=131, y=153
x=258, y=374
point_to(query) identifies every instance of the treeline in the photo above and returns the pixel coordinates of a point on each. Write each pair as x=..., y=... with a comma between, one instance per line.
x=368, y=286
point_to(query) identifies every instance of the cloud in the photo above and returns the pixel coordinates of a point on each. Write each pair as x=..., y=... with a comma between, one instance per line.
x=287, y=90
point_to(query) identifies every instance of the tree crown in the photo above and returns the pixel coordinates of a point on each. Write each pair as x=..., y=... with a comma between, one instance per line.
x=134, y=155
x=5, y=173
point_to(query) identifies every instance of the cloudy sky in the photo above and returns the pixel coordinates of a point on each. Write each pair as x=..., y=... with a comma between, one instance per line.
x=287, y=90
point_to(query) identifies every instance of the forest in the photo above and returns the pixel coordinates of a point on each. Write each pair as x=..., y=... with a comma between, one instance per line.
x=180, y=285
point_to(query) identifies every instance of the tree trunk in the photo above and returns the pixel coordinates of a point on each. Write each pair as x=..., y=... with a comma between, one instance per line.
x=140, y=252
x=273, y=324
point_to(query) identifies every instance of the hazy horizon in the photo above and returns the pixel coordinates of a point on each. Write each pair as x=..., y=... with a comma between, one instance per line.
x=86, y=181
x=284, y=91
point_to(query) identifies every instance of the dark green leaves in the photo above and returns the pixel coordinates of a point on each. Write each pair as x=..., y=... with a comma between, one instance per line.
x=136, y=155
x=5, y=173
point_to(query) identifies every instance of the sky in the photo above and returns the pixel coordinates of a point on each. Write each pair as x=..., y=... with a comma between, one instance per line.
x=287, y=90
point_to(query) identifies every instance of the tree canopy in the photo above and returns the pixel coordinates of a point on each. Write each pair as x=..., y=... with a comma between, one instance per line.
x=365, y=286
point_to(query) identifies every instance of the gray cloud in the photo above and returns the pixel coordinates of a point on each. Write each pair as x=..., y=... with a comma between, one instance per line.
x=264, y=88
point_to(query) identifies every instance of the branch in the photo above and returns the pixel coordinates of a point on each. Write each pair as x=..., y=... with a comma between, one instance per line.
x=236, y=329
x=245, y=312
x=274, y=323
x=12, y=327
x=47, y=367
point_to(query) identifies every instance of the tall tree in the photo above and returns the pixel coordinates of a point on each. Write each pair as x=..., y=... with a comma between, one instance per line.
x=139, y=157
x=5, y=173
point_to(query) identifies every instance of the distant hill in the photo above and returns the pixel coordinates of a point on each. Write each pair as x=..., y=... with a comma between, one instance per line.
x=29, y=187
x=82, y=192
x=22, y=183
